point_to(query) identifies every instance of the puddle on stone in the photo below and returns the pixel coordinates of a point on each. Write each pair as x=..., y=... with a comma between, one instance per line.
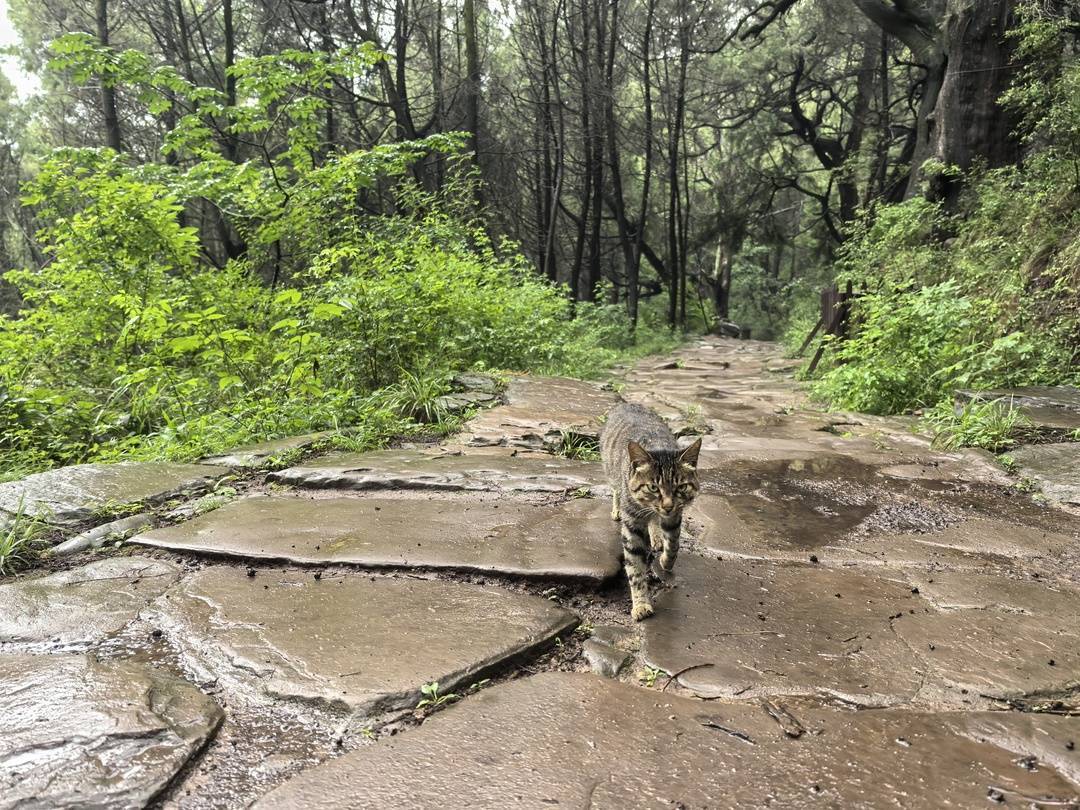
x=813, y=502
x=258, y=746
x=253, y=752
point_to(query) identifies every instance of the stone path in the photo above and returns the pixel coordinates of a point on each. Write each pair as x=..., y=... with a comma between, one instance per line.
x=857, y=619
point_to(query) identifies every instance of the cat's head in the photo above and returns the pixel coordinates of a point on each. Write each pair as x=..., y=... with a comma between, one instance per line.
x=663, y=480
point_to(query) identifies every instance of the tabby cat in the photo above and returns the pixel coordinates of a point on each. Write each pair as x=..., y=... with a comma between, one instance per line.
x=652, y=480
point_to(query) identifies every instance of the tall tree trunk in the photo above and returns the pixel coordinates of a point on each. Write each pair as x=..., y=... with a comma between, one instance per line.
x=596, y=135
x=472, y=84
x=675, y=261
x=108, y=92
x=231, y=144
x=634, y=273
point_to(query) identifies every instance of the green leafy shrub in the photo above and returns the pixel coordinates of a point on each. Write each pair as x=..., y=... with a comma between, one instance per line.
x=356, y=295
x=990, y=425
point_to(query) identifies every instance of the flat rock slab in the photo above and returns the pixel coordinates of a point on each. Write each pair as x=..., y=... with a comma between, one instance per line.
x=757, y=630
x=577, y=740
x=1004, y=639
x=350, y=642
x=417, y=469
x=540, y=411
x=73, y=495
x=1055, y=467
x=1050, y=407
x=262, y=453
x=79, y=733
x=576, y=539
x=730, y=532
x=81, y=605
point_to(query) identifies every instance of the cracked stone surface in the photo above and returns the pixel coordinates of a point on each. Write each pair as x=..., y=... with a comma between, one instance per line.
x=1055, y=467
x=757, y=629
x=87, y=734
x=348, y=641
x=572, y=540
x=419, y=469
x=782, y=630
x=81, y=605
x=73, y=495
x=576, y=740
x=539, y=411
x=260, y=454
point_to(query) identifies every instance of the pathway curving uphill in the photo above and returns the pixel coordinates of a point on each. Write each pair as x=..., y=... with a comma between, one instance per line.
x=857, y=619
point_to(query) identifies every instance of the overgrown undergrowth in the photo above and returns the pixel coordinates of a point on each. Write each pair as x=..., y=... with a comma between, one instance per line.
x=983, y=295
x=356, y=293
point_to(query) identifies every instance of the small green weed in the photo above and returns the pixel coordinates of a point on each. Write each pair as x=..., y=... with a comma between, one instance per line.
x=991, y=425
x=18, y=541
x=417, y=396
x=112, y=509
x=576, y=446
x=648, y=676
x=432, y=699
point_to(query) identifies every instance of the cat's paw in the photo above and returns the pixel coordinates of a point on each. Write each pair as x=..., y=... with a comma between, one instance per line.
x=640, y=611
x=667, y=564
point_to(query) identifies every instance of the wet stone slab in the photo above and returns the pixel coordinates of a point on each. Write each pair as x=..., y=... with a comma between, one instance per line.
x=348, y=641
x=1055, y=467
x=419, y=469
x=575, y=540
x=73, y=495
x=578, y=740
x=261, y=454
x=1003, y=639
x=539, y=411
x=755, y=629
x=942, y=639
x=82, y=605
x=79, y=733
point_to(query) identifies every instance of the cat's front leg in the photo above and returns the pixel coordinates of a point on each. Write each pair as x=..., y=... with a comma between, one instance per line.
x=614, y=503
x=671, y=529
x=656, y=535
x=635, y=554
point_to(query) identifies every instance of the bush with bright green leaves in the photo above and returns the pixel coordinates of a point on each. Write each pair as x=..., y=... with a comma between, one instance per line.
x=984, y=296
x=357, y=293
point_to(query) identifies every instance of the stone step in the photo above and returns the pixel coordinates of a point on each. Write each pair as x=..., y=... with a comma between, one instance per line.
x=440, y=470
x=83, y=493
x=572, y=540
x=347, y=641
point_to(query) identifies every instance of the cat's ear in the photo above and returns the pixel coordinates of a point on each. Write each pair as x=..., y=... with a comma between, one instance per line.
x=638, y=454
x=689, y=456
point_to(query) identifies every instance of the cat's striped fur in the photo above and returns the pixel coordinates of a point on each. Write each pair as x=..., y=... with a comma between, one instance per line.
x=652, y=480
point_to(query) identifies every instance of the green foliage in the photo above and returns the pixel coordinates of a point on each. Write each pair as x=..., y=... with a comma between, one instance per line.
x=18, y=541
x=132, y=345
x=433, y=699
x=576, y=446
x=990, y=307
x=991, y=425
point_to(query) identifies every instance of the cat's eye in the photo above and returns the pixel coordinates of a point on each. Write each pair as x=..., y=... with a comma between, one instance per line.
x=652, y=488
